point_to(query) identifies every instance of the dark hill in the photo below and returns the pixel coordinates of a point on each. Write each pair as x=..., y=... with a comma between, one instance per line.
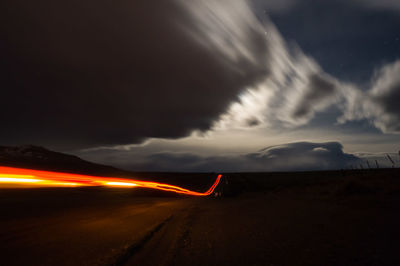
x=35, y=157
x=39, y=158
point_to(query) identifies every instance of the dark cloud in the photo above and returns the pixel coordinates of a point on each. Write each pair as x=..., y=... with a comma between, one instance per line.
x=380, y=104
x=252, y=122
x=386, y=96
x=83, y=73
x=287, y=157
x=319, y=89
x=304, y=156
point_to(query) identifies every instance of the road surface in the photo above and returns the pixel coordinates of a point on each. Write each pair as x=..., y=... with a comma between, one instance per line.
x=296, y=226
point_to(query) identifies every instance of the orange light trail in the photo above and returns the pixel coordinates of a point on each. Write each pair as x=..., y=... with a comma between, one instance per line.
x=38, y=178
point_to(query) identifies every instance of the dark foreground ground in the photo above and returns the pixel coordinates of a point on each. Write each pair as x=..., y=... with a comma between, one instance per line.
x=320, y=218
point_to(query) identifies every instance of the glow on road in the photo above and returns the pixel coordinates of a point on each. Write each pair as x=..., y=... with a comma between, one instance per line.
x=27, y=177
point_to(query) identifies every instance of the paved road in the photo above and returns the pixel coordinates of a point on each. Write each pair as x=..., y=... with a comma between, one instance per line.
x=70, y=227
x=259, y=229
x=103, y=227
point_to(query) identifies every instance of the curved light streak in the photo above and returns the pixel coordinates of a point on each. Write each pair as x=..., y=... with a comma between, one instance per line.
x=29, y=177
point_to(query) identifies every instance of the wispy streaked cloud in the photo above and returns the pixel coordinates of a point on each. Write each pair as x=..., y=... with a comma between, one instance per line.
x=380, y=104
x=199, y=81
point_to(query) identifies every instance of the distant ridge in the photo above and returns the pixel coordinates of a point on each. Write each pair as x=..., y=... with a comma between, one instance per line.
x=39, y=158
x=36, y=157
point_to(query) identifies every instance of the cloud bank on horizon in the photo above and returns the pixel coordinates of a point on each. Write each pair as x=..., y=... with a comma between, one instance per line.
x=93, y=74
x=299, y=156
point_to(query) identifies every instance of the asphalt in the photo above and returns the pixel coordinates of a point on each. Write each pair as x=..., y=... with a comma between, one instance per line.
x=342, y=223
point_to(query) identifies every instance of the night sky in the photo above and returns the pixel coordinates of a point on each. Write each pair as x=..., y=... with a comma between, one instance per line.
x=228, y=85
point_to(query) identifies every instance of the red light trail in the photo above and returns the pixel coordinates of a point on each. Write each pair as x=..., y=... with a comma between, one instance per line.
x=38, y=178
